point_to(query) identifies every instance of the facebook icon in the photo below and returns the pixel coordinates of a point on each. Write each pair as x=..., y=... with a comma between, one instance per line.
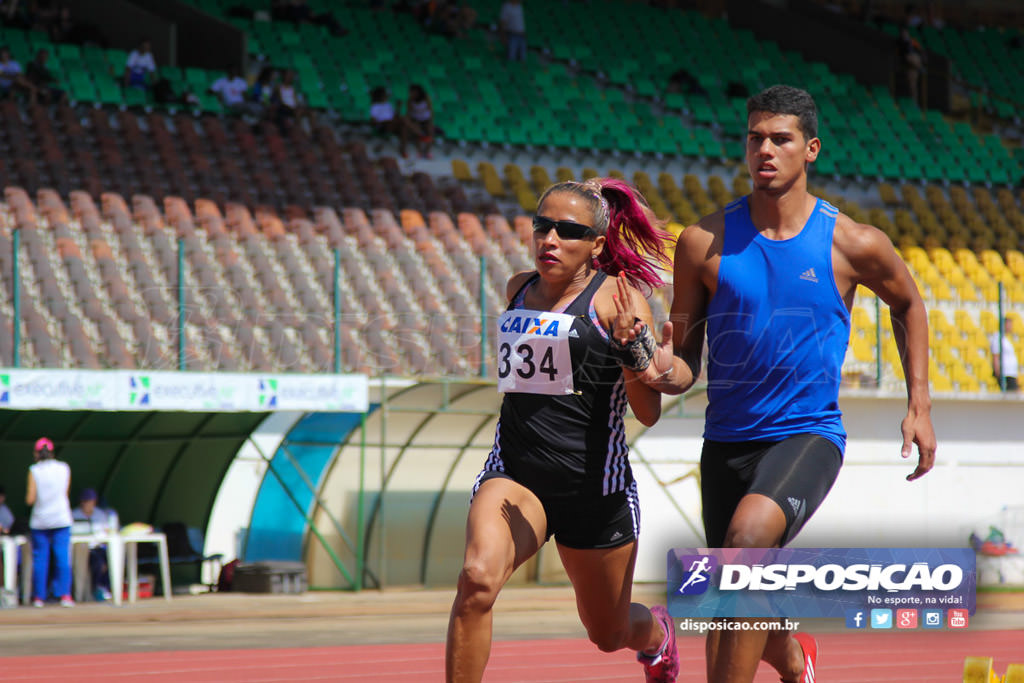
x=856, y=618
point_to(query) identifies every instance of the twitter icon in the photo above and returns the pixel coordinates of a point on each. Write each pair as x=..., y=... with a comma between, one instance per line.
x=881, y=618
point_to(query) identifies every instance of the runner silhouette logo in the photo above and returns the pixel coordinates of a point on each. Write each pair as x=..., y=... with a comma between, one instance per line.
x=697, y=571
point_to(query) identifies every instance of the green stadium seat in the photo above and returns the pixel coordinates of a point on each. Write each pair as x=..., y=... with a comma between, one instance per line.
x=135, y=97
x=109, y=92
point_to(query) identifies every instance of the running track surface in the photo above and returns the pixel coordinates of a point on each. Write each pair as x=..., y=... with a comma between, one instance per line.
x=855, y=657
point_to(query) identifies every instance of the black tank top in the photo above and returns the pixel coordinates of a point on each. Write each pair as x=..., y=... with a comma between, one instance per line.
x=574, y=443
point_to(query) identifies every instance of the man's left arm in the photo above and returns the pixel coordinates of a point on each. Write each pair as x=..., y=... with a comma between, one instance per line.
x=876, y=265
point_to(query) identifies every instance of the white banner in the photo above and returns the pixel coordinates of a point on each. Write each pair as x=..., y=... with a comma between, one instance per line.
x=115, y=390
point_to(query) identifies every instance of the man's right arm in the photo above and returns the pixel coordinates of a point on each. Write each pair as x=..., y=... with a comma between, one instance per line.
x=677, y=365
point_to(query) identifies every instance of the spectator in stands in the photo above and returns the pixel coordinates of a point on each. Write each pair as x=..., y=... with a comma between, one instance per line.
x=386, y=121
x=512, y=27
x=12, y=78
x=449, y=18
x=933, y=10
x=1004, y=357
x=911, y=17
x=683, y=81
x=913, y=59
x=463, y=17
x=286, y=102
x=6, y=516
x=42, y=79
x=140, y=68
x=62, y=27
x=8, y=11
x=100, y=521
x=49, y=480
x=421, y=10
x=420, y=117
x=163, y=93
x=263, y=89
x=231, y=89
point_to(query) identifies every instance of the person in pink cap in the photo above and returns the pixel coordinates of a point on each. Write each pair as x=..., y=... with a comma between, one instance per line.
x=49, y=481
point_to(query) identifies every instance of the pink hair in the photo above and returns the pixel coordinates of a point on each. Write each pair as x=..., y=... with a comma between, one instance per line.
x=630, y=228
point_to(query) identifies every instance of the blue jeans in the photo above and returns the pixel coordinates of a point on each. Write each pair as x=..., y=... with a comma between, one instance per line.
x=517, y=47
x=43, y=542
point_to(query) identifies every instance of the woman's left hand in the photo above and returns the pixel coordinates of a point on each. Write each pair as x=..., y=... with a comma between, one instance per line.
x=626, y=325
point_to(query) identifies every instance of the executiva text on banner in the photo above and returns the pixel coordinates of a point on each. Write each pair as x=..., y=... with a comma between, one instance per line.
x=816, y=582
x=128, y=390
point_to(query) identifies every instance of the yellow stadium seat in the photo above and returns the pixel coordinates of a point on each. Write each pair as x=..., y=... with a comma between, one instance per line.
x=675, y=228
x=897, y=369
x=539, y=179
x=941, y=291
x=527, y=199
x=863, y=350
x=944, y=355
x=887, y=193
x=940, y=383
x=989, y=322
x=514, y=174
x=666, y=183
x=990, y=292
x=859, y=316
x=460, y=169
x=938, y=321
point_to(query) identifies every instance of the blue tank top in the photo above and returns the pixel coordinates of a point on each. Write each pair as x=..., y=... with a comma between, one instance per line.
x=777, y=333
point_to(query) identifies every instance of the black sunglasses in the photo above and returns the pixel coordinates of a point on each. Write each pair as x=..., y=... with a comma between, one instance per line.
x=566, y=230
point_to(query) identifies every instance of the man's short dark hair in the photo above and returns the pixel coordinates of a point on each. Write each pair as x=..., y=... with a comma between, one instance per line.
x=785, y=99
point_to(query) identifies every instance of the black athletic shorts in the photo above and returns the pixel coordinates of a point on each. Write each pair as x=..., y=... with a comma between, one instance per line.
x=584, y=522
x=796, y=473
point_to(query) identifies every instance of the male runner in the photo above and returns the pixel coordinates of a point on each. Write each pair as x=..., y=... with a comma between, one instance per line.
x=771, y=278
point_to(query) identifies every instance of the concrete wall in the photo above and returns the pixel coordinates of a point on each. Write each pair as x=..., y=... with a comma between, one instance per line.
x=125, y=25
x=979, y=472
x=846, y=45
x=202, y=40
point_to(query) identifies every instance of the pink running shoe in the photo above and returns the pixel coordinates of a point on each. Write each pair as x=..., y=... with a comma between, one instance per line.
x=66, y=601
x=810, y=648
x=663, y=667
